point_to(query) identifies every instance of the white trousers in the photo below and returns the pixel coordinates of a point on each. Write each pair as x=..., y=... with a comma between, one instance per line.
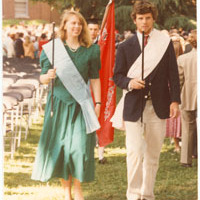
x=143, y=145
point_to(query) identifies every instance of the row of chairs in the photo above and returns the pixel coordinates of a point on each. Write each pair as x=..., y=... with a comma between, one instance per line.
x=23, y=97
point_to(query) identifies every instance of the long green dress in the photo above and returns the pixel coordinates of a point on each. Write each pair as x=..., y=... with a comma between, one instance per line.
x=64, y=148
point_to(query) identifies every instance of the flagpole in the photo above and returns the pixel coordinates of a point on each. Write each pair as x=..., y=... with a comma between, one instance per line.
x=105, y=16
x=142, y=76
x=52, y=81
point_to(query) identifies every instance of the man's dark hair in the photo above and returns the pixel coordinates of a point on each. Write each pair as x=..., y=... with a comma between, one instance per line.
x=143, y=7
x=92, y=21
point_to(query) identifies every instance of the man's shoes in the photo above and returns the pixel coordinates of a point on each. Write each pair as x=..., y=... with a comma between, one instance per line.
x=194, y=156
x=186, y=165
x=103, y=161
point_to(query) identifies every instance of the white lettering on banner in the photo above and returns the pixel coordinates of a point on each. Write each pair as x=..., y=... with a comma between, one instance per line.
x=109, y=100
x=104, y=34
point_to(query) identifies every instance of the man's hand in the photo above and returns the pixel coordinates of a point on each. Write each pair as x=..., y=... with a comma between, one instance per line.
x=136, y=84
x=174, y=110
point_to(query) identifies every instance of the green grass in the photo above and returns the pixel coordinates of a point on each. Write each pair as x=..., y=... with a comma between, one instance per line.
x=173, y=181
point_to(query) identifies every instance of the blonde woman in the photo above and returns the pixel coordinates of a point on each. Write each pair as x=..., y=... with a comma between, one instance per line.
x=65, y=150
x=28, y=48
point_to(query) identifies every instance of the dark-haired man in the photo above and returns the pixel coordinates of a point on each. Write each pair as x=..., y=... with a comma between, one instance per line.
x=154, y=99
x=93, y=27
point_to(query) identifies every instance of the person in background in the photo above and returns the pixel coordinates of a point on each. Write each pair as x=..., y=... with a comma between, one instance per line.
x=119, y=39
x=36, y=47
x=42, y=40
x=145, y=124
x=188, y=46
x=94, y=29
x=127, y=34
x=28, y=48
x=9, y=45
x=187, y=65
x=65, y=150
x=18, y=45
x=173, y=126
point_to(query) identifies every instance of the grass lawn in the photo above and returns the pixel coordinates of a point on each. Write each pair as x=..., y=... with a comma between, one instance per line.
x=173, y=181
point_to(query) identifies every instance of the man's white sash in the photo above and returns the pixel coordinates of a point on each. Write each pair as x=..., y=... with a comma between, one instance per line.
x=153, y=53
x=73, y=82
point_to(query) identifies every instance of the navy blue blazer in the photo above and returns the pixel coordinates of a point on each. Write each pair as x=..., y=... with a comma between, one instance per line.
x=163, y=82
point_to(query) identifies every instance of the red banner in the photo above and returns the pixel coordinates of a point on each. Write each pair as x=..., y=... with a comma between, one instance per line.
x=108, y=88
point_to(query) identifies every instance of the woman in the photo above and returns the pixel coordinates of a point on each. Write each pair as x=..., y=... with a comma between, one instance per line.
x=28, y=48
x=65, y=150
x=173, y=125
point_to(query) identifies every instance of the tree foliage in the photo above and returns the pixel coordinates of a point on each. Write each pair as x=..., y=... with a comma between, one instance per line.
x=172, y=13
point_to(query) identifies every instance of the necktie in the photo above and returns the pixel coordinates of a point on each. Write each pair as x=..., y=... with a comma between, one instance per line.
x=145, y=39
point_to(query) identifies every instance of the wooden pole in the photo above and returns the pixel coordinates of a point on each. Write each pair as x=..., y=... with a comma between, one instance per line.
x=142, y=76
x=52, y=81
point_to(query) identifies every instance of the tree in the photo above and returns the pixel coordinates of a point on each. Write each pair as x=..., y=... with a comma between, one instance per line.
x=176, y=13
x=172, y=13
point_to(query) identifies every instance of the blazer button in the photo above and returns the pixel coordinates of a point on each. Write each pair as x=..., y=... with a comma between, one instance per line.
x=149, y=84
x=145, y=96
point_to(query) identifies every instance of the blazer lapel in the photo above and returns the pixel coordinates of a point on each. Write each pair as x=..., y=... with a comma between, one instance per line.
x=133, y=50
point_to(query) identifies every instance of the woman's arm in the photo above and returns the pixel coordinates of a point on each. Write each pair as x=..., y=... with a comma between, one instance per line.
x=96, y=89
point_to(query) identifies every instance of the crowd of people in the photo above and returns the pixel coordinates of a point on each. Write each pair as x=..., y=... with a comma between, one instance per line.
x=25, y=41
x=162, y=93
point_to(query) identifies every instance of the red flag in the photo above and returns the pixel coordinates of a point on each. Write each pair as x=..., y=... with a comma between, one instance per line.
x=108, y=88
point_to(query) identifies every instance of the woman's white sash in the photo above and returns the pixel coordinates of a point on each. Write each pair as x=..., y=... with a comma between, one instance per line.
x=73, y=82
x=153, y=53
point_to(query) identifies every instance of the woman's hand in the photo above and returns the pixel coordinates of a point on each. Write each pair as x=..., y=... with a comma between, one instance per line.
x=174, y=110
x=46, y=78
x=97, y=110
x=51, y=73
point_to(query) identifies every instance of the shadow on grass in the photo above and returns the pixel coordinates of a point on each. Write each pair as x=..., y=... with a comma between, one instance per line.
x=175, y=182
x=110, y=180
x=14, y=180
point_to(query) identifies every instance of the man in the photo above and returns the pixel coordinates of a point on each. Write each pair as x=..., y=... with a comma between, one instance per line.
x=149, y=101
x=187, y=64
x=93, y=27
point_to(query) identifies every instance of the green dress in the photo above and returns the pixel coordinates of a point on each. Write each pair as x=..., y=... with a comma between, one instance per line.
x=64, y=148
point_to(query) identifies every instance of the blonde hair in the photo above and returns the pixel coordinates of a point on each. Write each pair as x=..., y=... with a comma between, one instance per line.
x=84, y=37
x=27, y=41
